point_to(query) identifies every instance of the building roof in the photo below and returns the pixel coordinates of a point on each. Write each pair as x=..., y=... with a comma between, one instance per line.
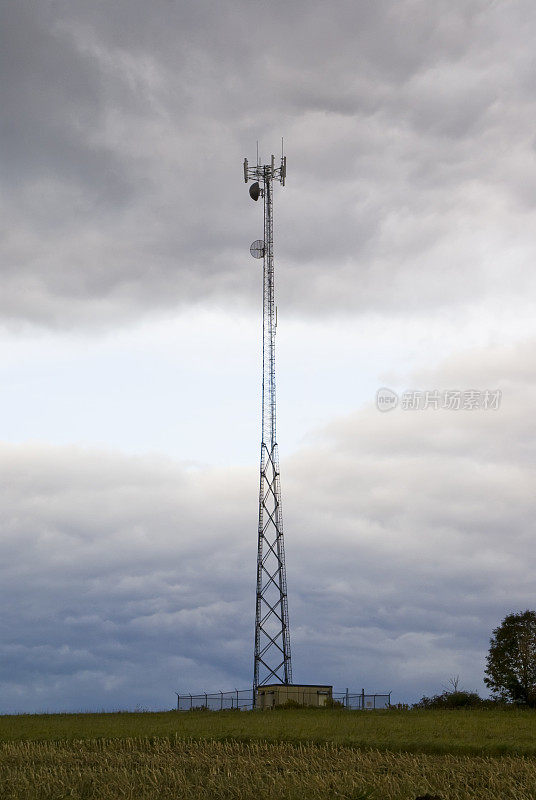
x=295, y=686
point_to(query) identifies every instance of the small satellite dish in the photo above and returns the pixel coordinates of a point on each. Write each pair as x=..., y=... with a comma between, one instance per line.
x=255, y=191
x=257, y=248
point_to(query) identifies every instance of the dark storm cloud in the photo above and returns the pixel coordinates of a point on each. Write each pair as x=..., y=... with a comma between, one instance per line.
x=408, y=538
x=409, y=134
x=106, y=567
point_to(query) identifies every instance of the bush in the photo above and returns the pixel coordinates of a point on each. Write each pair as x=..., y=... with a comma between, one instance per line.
x=293, y=704
x=331, y=703
x=448, y=700
x=290, y=704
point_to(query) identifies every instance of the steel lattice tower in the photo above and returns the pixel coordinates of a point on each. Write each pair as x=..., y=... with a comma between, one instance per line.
x=272, y=636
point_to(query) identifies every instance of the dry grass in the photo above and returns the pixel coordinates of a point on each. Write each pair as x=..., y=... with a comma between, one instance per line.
x=144, y=768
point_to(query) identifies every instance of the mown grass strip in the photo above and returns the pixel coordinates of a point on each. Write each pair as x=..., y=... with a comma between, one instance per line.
x=496, y=733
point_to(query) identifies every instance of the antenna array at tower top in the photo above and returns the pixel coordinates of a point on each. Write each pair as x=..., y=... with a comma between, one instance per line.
x=262, y=171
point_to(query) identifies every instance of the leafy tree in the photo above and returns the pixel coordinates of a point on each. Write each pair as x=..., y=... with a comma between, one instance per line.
x=511, y=662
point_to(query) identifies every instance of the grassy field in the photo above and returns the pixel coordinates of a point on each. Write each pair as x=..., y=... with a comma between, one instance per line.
x=278, y=755
x=435, y=732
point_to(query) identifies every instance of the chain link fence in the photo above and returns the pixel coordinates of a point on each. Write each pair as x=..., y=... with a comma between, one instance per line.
x=242, y=700
x=239, y=700
x=362, y=701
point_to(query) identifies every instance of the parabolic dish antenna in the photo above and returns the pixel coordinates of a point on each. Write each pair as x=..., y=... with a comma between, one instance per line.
x=255, y=191
x=257, y=248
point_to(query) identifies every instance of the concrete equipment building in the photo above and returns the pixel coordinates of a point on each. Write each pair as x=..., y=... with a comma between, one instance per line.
x=277, y=694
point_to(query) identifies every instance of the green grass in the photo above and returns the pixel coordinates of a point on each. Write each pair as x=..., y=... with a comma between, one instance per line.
x=489, y=732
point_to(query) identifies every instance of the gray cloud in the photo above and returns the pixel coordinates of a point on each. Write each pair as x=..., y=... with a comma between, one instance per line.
x=409, y=133
x=115, y=582
x=408, y=538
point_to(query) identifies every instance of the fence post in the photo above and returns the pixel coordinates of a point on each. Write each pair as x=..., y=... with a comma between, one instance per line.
x=363, y=699
x=389, y=700
x=191, y=702
x=237, y=701
x=178, y=701
x=347, y=699
x=221, y=701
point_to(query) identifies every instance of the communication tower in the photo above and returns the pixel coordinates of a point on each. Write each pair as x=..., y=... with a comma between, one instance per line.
x=272, y=662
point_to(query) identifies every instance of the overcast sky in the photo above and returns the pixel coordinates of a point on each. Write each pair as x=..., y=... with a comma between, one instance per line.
x=130, y=355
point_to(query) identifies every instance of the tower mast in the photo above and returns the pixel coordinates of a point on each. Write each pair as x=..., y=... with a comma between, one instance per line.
x=272, y=662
